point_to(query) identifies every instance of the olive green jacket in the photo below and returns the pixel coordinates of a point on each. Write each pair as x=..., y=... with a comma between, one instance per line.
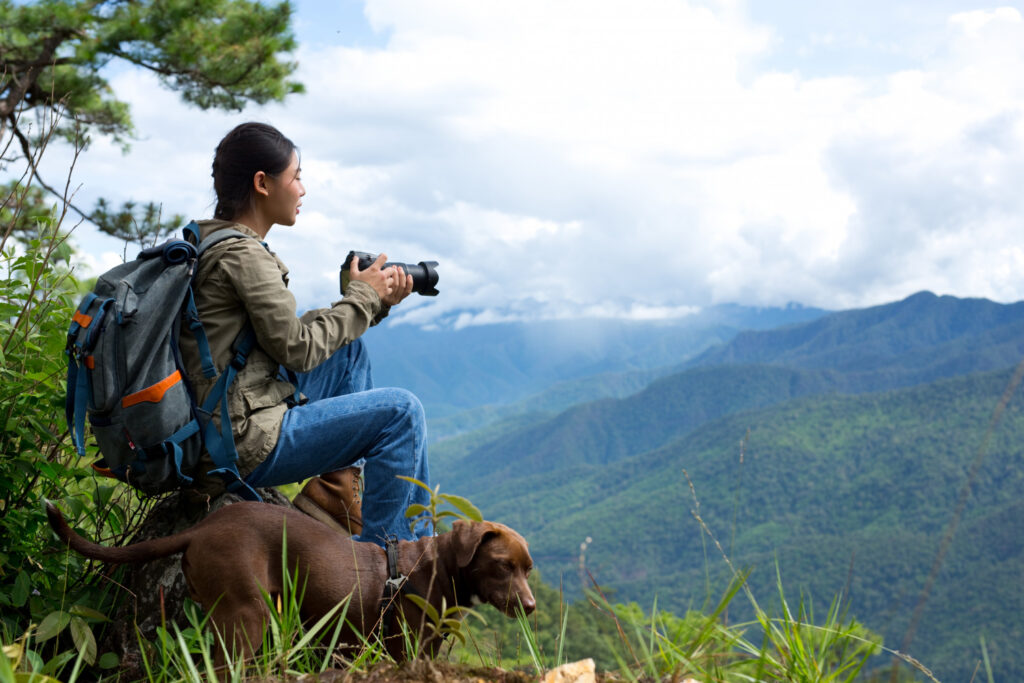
x=239, y=280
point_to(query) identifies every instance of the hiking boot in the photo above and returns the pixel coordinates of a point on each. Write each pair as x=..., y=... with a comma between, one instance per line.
x=333, y=498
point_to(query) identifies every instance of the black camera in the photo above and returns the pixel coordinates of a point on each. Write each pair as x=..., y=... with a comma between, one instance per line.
x=424, y=273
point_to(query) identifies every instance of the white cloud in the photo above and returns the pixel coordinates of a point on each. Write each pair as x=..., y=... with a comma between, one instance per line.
x=601, y=158
x=974, y=24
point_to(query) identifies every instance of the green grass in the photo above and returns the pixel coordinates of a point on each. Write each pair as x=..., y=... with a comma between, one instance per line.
x=783, y=642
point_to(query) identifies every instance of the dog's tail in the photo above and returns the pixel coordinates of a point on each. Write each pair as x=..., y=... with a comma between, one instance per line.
x=137, y=552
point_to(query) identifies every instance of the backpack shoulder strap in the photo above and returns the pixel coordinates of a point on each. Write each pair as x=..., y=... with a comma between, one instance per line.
x=221, y=235
x=191, y=232
x=221, y=444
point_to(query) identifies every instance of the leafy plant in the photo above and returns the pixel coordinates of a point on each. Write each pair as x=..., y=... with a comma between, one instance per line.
x=430, y=513
x=57, y=598
x=23, y=660
x=443, y=622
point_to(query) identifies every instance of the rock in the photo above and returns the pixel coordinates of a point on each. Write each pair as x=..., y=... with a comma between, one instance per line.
x=577, y=672
x=156, y=590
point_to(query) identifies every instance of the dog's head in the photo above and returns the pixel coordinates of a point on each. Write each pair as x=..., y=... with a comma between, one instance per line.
x=497, y=563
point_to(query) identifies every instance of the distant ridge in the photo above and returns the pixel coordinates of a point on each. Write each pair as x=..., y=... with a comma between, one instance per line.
x=919, y=339
x=452, y=369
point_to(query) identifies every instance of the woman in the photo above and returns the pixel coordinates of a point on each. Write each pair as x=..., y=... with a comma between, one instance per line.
x=340, y=418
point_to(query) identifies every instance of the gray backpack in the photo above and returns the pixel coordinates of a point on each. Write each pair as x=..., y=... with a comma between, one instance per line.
x=125, y=373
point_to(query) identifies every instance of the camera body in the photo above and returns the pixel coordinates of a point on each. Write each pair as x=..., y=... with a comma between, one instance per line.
x=424, y=273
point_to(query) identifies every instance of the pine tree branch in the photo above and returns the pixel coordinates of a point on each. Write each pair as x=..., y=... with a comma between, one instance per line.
x=21, y=85
x=195, y=74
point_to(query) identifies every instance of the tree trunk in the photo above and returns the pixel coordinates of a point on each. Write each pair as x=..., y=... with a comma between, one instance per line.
x=156, y=590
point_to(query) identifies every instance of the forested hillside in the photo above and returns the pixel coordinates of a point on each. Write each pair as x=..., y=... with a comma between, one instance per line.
x=609, y=430
x=841, y=490
x=824, y=465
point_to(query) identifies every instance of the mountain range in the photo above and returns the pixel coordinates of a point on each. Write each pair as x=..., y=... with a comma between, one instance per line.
x=843, y=450
x=454, y=369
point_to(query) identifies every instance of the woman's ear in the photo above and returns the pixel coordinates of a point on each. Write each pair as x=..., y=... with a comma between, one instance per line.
x=259, y=183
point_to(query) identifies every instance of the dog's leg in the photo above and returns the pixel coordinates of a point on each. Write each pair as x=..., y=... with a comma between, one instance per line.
x=240, y=623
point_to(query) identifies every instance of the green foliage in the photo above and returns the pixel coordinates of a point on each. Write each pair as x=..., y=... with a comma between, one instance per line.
x=430, y=513
x=796, y=649
x=37, y=296
x=444, y=622
x=26, y=215
x=142, y=225
x=659, y=645
x=217, y=53
x=24, y=662
x=49, y=602
x=36, y=299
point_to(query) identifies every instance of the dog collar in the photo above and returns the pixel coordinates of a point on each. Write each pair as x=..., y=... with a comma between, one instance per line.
x=395, y=580
x=392, y=587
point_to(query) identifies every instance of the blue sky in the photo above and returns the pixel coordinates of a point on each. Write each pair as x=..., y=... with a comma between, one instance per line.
x=326, y=23
x=628, y=159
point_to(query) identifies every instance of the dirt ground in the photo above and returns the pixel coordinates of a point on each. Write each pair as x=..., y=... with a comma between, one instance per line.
x=430, y=672
x=422, y=670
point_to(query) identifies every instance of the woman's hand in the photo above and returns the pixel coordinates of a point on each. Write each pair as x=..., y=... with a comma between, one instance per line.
x=382, y=281
x=402, y=287
x=391, y=284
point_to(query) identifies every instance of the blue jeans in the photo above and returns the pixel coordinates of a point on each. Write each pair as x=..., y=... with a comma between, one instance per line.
x=346, y=421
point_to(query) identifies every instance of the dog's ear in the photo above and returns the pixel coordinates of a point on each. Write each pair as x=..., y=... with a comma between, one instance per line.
x=468, y=537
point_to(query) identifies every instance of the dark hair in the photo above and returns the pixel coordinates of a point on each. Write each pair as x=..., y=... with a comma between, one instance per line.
x=248, y=149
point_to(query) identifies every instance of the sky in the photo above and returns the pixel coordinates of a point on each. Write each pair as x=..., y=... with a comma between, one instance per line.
x=640, y=159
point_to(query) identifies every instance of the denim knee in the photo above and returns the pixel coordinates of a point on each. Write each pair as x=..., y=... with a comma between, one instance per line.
x=407, y=406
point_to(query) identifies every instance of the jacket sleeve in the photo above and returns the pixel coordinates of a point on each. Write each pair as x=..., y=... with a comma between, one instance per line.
x=311, y=315
x=298, y=344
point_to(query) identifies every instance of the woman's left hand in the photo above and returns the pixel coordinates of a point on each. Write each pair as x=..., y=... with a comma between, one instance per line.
x=401, y=289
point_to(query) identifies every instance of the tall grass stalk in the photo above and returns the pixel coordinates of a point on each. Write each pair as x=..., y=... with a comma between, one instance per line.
x=530, y=638
x=665, y=646
x=985, y=659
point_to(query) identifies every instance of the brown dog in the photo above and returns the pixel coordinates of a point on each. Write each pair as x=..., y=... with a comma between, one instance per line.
x=237, y=550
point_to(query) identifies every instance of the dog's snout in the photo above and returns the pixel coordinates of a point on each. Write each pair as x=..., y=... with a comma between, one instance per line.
x=528, y=603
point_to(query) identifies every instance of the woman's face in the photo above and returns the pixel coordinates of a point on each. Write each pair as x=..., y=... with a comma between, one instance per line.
x=284, y=194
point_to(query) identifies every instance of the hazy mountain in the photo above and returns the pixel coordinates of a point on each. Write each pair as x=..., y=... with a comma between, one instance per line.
x=921, y=338
x=802, y=446
x=453, y=369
